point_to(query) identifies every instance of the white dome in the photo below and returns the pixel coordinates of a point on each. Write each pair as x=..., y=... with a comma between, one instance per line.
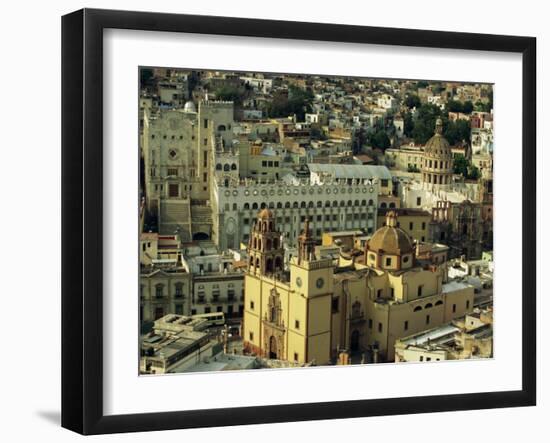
x=189, y=107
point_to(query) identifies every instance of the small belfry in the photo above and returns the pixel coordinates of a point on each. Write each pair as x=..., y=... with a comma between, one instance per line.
x=265, y=249
x=306, y=244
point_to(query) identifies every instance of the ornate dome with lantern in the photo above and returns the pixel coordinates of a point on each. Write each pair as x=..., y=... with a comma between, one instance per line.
x=390, y=247
x=437, y=162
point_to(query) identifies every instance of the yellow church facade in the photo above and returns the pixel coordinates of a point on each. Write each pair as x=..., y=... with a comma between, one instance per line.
x=314, y=308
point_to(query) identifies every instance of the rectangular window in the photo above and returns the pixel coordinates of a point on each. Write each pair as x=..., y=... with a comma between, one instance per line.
x=411, y=224
x=205, y=159
x=205, y=142
x=297, y=324
x=379, y=327
x=251, y=305
x=370, y=323
x=420, y=291
x=421, y=358
x=379, y=293
x=423, y=225
x=428, y=358
x=193, y=312
x=173, y=171
x=173, y=190
x=295, y=356
x=335, y=303
x=251, y=336
x=454, y=308
x=388, y=261
x=205, y=123
x=427, y=319
x=406, y=326
x=207, y=310
x=179, y=309
x=418, y=201
x=467, y=304
x=205, y=177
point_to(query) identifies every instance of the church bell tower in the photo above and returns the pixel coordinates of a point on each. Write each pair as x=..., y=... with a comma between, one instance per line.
x=265, y=249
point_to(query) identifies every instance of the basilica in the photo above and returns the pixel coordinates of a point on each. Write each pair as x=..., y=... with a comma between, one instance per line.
x=310, y=308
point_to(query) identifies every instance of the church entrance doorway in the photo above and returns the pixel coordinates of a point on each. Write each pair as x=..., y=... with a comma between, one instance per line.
x=354, y=345
x=273, y=348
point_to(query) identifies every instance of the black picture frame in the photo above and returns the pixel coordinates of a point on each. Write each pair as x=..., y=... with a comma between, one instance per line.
x=82, y=215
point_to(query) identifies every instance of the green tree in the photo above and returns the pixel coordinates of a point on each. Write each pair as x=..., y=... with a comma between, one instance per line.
x=231, y=93
x=380, y=140
x=424, y=122
x=412, y=101
x=460, y=165
x=408, y=124
x=473, y=173
x=422, y=84
x=457, y=131
x=467, y=107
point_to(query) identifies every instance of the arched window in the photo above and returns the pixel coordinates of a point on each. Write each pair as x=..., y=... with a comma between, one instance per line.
x=260, y=243
x=392, y=205
x=254, y=205
x=226, y=167
x=356, y=203
x=438, y=303
x=310, y=204
x=371, y=202
x=257, y=262
x=233, y=167
x=279, y=205
x=335, y=204
x=255, y=243
x=287, y=205
x=383, y=205
x=295, y=205
x=246, y=206
x=263, y=205
x=269, y=265
x=327, y=204
x=319, y=204
x=363, y=203
x=278, y=263
x=303, y=205
x=251, y=261
x=221, y=128
x=343, y=203
x=234, y=206
x=428, y=306
x=271, y=205
x=219, y=167
x=418, y=308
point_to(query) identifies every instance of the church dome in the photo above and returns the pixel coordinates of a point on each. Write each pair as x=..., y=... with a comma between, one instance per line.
x=189, y=107
x=390, y=239
x=265, y=213
x=438, y=146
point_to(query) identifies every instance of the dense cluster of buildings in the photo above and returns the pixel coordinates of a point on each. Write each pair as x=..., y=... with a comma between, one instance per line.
x=311, y=245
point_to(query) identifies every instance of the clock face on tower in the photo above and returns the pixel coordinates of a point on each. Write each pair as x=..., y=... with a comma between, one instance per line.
x=298, y=282
x=320, y=282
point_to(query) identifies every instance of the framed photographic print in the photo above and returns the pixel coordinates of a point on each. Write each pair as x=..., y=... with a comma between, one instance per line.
x=270, y=221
